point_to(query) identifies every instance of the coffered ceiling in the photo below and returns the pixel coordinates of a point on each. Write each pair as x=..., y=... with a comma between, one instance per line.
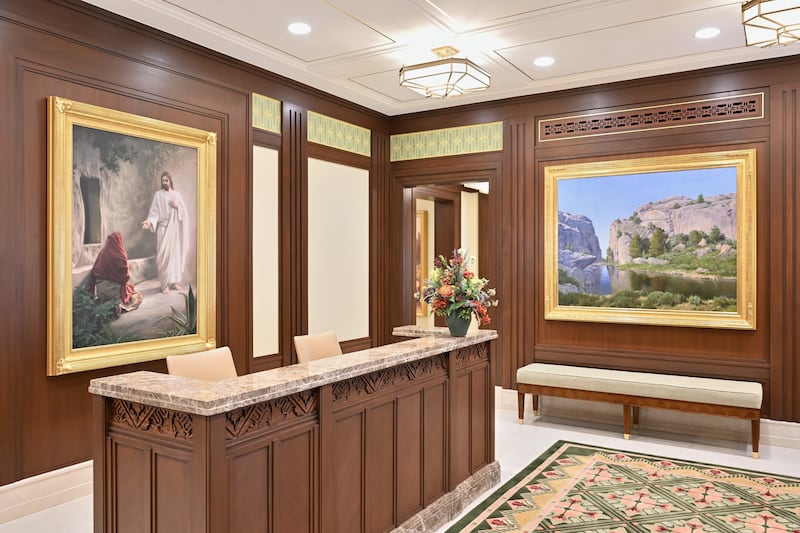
x=356, y=47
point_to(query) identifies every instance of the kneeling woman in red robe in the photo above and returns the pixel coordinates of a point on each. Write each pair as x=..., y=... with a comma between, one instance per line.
x=109, y=279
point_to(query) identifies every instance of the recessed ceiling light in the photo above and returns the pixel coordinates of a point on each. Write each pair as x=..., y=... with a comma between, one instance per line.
x=299, y=28
x=544, y=61
x=706, y=33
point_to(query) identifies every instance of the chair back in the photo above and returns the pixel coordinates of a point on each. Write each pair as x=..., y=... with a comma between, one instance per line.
x=321, y=345
x=211, y=365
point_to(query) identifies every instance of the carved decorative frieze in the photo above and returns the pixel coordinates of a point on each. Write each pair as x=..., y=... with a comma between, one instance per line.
x=374, y=382
x=471, y=354
x=149, y=419
x=673, y=115
x=270, y=413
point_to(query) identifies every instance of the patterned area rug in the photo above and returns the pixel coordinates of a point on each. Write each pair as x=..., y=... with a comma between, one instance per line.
x=578, y=488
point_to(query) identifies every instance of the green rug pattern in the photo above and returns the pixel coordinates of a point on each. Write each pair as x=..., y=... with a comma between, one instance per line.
x=574, y=488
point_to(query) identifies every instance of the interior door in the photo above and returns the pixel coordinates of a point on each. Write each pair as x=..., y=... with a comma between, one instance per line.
x=446, y=221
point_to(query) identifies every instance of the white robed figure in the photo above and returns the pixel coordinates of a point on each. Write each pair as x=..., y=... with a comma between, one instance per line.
x=168, y=218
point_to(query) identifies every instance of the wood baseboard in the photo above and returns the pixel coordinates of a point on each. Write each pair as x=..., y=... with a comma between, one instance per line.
x=41, y=492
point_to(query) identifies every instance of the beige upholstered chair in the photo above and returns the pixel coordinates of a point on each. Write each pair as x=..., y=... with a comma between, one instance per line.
x=211, y=365
x=310, y=347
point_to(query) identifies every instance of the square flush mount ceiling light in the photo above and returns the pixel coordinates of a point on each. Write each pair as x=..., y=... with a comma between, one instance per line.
x=769, y=22
x=448, y=76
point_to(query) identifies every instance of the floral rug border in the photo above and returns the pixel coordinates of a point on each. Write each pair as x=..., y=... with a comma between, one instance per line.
x=580, y=488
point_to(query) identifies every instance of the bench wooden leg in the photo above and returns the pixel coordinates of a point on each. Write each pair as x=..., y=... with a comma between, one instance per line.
x=626, y=414
x=635, y=417
x=755, y=426
x=521, y=406
x=535, y=405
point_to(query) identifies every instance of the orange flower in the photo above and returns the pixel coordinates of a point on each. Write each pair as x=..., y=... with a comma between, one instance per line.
x=446, y=291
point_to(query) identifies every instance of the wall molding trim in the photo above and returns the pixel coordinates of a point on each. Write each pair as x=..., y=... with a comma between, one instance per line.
x=732, y=108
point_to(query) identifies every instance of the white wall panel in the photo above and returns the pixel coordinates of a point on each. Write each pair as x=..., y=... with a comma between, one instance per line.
x=469, y=226
x=265, y=251
x=338, y=249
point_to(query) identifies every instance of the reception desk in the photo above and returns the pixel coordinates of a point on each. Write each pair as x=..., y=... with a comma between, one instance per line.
x=395, y=437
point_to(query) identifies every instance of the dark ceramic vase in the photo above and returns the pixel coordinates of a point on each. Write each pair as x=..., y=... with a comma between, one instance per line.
x=458, y=326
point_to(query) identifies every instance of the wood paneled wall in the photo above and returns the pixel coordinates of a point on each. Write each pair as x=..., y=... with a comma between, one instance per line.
x=67, y=48
x=770, y=353
x=70, y=49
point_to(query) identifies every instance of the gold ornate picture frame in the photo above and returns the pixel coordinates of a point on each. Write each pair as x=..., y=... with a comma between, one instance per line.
x=666, y=240
x=131, y=238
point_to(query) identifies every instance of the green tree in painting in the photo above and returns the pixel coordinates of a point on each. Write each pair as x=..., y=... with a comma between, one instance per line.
x=635, y=247
x=658, y=243
x=716, y=235
x=695, y=236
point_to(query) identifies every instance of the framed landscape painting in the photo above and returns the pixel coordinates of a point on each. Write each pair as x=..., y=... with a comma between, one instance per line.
x=667, y=240
x=131, y=238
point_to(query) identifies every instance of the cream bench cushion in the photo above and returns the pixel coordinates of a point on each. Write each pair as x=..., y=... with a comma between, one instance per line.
x=682, y=388
x=632, y=390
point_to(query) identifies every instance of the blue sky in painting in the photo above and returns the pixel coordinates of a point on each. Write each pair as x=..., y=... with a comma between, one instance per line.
x=605, y=199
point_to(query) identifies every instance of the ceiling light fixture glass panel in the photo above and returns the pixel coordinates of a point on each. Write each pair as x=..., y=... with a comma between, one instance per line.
x=770, y=22
x=452, y=76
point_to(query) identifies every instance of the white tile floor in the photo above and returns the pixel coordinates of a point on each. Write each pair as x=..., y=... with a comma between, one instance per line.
x=516, y=446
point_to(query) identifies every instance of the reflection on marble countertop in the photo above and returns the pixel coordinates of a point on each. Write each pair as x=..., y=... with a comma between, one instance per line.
x=421, y=331
x=207, y=398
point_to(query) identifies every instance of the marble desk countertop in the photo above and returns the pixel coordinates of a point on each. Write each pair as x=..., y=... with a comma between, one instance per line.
x=207, y=398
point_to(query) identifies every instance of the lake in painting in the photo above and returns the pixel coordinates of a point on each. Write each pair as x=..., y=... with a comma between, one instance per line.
x=665, y=240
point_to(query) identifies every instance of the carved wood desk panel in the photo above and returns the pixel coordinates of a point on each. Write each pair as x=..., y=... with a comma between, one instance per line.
x=361, y=442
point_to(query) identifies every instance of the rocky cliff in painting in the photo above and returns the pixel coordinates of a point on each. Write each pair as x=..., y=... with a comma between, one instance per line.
x=674, y=215
x=578, y=251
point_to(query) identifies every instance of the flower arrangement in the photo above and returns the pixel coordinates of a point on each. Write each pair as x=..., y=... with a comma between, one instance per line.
x=454, y=289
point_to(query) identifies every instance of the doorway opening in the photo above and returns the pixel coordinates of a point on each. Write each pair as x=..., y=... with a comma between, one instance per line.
x=447, y=217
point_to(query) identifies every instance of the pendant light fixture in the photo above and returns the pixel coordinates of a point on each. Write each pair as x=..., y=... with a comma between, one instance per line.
x=447, y=76
x=770, y=22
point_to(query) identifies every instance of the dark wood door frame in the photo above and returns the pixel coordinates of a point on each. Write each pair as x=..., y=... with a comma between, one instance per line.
x=447, y=214
x=447, y=220
x=423, y=174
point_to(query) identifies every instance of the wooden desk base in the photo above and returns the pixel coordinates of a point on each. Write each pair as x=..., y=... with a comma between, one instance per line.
x=362, y=454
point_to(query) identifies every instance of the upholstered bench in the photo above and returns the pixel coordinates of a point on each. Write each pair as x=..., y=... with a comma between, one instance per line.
x=740, y=399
